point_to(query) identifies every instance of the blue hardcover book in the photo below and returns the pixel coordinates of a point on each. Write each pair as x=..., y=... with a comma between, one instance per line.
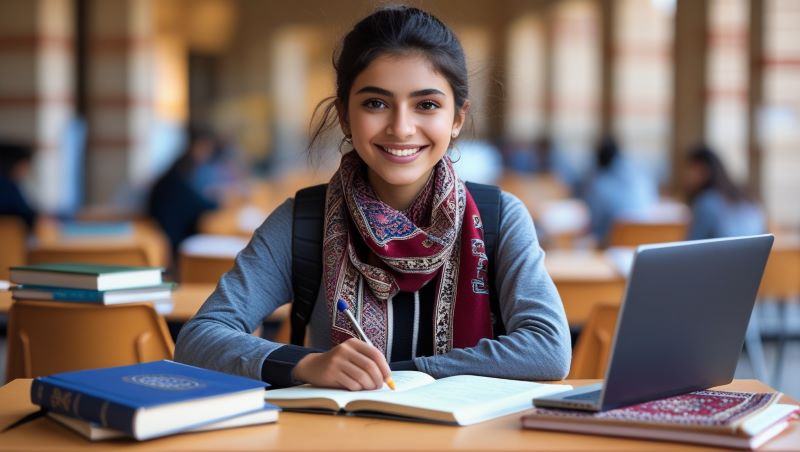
x=148, y=400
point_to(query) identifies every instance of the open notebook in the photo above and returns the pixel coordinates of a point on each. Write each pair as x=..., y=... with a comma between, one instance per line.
x=459, y=400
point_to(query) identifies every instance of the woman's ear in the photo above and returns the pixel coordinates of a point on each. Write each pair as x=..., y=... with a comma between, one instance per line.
x=460, y=117
x=342, y=114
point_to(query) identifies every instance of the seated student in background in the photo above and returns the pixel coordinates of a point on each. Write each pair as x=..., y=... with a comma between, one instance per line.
x=616, y=190
x=541, y=157
x=174, y=202
x=719, y=207
x=15, y=164
x=403, y=240
x=222, y=175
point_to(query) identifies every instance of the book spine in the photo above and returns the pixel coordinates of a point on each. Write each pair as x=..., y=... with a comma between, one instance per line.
x=70, y=402
x=78, y=295
x=82, y=296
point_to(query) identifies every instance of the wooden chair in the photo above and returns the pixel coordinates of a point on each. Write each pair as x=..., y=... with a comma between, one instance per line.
x=117, y=255
x=47, y=337
x=202, y=269
x=781, y=278
x=781, y=283
x=13, y=235
x=283, y=334
x=590, y=357
x=631, y=233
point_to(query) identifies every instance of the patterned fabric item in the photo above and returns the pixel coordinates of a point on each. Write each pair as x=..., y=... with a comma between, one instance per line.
x=702, y=409
x=427, y=241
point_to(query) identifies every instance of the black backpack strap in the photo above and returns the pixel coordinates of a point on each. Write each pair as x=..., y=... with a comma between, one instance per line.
x=308, y=222
x=488, y=200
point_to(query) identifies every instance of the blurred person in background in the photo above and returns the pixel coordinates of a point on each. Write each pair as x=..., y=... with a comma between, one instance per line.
x=15, y=165
x=221, y=176
x=541, y=157
x=719, y=207
x=177, y=200
x=616, y=190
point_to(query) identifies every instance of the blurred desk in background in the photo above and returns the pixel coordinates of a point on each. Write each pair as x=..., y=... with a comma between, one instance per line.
x=242, y=215
x=535, y=191
x=57, y=237
x=584, y=279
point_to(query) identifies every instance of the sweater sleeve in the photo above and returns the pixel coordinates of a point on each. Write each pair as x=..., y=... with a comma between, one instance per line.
x=219, y=335
x=537, y=346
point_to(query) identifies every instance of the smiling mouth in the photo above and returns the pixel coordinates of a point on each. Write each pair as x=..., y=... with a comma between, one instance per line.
x=402, y=152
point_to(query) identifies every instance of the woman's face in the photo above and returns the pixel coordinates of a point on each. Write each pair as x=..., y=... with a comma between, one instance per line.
x=402, y=116
x=695, y=177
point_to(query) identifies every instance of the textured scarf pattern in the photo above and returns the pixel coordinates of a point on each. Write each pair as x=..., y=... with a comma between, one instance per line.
x=429, y=241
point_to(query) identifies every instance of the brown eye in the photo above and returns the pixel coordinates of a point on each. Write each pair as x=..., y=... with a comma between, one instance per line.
x=374, y=104
x=428, y=105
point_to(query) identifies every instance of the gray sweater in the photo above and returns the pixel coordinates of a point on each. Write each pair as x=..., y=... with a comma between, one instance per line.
x=536, y=347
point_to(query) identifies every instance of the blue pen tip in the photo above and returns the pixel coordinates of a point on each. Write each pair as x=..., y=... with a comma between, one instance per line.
x=341, y=305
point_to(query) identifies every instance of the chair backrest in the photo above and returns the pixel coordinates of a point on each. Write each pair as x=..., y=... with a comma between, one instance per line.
x=13, y=235
x=590, y=357
x=203, y=269
x=133, y=255
x=48, y=337
x=781, y=278
x=631, y=233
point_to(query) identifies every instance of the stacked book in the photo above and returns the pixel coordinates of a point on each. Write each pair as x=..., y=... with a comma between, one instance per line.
x=88, y=283
x=150, y=400
x=740, y=420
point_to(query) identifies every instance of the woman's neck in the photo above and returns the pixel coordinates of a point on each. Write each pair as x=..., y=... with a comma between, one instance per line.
x=398, y=197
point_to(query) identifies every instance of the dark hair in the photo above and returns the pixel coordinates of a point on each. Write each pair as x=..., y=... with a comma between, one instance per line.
x=717, y=178
x=195, y=133
x=607, y=151
x=11, y=154
x=393, y=30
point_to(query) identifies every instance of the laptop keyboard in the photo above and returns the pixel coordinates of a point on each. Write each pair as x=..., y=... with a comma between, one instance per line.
x=589, y=396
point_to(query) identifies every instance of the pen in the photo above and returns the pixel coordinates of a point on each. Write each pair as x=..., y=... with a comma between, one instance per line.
x=342, y=306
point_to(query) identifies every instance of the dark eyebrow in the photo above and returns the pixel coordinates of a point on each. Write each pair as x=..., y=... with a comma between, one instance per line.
x=427, y=92
x=387, y=93
x=375, y=90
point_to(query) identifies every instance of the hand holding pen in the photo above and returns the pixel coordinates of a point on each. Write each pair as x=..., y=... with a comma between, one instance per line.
x=354, y=365
x=342, y=306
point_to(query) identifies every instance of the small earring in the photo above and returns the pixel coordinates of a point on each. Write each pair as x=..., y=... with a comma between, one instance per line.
x=347, y=139
x=454, y=134
x=450, y=154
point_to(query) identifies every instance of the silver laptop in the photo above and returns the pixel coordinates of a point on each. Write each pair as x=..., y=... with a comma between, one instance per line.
x=682, y=322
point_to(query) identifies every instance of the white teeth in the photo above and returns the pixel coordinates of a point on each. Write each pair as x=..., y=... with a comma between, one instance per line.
x=402, y=152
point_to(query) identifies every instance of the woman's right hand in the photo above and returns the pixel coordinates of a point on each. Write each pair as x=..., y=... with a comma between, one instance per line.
x=353, y=365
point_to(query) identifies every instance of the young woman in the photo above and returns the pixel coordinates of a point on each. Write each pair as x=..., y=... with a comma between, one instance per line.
x=402, y=241
x=719, y=207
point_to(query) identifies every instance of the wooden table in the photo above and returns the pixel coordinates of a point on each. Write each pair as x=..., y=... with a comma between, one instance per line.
x=187, y=297
x=297, y=431
x=583, y=279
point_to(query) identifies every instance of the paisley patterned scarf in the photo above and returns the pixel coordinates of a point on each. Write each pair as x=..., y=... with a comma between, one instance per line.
x=439, y=237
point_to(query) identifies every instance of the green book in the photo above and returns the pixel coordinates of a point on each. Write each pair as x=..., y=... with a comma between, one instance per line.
x=86, y=276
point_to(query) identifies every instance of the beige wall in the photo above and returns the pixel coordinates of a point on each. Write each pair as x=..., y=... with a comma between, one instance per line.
x=36, y=86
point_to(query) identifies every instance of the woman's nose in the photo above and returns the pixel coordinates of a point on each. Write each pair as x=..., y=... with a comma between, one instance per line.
x=402, y=124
